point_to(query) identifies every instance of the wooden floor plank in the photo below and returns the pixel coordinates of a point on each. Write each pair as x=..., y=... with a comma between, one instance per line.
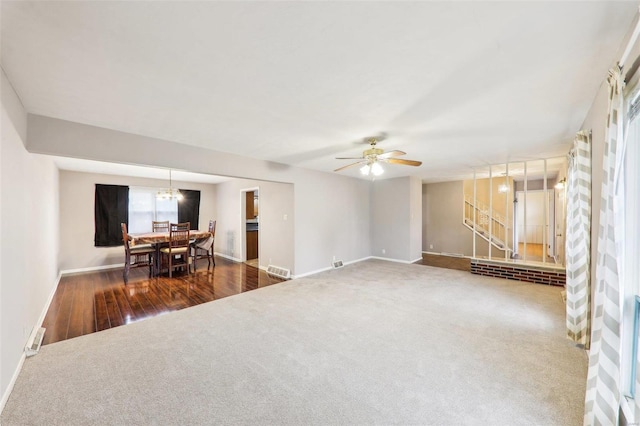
x=91, y=302
x=113, y=310
x=127, y=312
x=88, y=313
x=76, y=317
x=61, y=322
x=100, y=307
x=449, y=262
x=49, y=323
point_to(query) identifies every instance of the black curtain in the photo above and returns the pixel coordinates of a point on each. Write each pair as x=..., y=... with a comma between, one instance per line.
x=111, y=209
x=189, y=207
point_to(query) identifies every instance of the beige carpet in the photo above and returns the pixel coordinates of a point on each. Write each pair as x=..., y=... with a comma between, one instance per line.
x=372, y=343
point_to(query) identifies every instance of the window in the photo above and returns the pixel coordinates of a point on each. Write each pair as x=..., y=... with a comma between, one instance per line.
x=144, y=208
x=634, y=351
x=630, y=270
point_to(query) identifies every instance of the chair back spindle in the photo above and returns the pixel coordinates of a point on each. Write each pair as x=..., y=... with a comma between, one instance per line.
x=160, y=226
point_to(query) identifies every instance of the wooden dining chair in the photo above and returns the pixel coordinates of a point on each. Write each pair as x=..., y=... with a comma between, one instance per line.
x=160, y=226
x=136, y=256
x=200, y=252
x=177, y=252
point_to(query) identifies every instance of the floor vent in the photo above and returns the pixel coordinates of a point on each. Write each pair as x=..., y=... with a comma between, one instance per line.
x=37, y=342
x=338, y=264
x=279, y=272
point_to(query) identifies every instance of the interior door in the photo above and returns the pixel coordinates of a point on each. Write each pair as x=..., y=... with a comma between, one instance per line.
x=551, y=227
x=560, y=224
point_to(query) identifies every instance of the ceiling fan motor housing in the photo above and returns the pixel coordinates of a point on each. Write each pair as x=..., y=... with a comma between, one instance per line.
x=372, y=152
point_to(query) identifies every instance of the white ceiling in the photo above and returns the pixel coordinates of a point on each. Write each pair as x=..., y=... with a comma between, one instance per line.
x=454, y=84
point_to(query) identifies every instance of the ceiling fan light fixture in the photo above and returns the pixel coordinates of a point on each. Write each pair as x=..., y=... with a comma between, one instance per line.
x=376, y=169
x=372, y=157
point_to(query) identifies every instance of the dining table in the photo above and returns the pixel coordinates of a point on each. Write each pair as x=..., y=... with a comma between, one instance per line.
x=160, y=239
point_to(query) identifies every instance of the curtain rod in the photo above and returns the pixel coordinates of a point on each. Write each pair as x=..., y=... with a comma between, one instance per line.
x=632, y=41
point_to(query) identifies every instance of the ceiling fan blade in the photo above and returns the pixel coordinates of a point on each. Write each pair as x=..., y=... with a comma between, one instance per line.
x=349, y=158
x=392, y=154
x=348, y=165
x=403, y=162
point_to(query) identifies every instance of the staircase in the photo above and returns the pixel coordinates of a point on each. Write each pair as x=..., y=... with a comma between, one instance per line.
x=478, y=213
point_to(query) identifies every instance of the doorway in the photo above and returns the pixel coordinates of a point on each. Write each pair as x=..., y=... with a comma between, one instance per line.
x=250, y=208
x=535, y=219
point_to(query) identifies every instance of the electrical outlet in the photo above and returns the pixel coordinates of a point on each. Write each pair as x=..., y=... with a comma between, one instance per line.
x=383, y=251
x=430, y=246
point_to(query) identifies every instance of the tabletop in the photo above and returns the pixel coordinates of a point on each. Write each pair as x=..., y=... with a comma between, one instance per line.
x=163, y=237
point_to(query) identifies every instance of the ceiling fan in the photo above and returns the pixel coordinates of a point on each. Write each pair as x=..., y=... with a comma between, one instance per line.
x=372, y=157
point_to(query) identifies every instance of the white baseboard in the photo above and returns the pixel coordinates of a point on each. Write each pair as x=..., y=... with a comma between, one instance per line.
x=389, y=259
x=37, y=325
x=306, y=274
x=235, y=259
x=350, y=262
x=43, y=314
x=91, y=269
x=7, y=392
x=120, y=265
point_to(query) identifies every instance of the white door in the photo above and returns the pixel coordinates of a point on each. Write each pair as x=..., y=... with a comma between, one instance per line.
x=551, y=228
x=560, y=224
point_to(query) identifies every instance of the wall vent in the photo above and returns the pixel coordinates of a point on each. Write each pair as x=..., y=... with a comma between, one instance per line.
x=338, y=264
x=37, y=342
x=279, y=272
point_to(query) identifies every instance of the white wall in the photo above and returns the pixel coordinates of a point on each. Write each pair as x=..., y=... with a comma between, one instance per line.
x=331, y=211
x=415, y=213
x=396, y=225
x=77, y=224
x=442, y=219
x=276, y=239
x=332, y=219
x=28, y=236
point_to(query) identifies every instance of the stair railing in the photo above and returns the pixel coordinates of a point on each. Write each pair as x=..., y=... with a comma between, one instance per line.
x=478, y=213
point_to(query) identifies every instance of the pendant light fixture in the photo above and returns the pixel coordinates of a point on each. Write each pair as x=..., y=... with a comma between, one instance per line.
x=169, y=193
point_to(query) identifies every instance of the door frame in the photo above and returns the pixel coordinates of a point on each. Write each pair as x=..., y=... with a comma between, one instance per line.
x=243, y=222
x=548, y=211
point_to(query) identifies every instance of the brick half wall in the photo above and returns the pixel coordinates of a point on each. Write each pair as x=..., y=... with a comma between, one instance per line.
x=528, y=273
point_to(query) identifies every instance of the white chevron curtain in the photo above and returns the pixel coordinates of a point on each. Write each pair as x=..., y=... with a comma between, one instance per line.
x=602, y=398
x=578, y=241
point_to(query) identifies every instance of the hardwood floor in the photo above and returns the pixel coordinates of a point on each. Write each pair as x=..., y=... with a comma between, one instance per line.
x=449, y=262
x=534, y=252
x=96, y=301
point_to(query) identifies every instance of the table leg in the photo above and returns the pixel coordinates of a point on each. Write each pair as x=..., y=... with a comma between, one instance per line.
x=156, y=261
